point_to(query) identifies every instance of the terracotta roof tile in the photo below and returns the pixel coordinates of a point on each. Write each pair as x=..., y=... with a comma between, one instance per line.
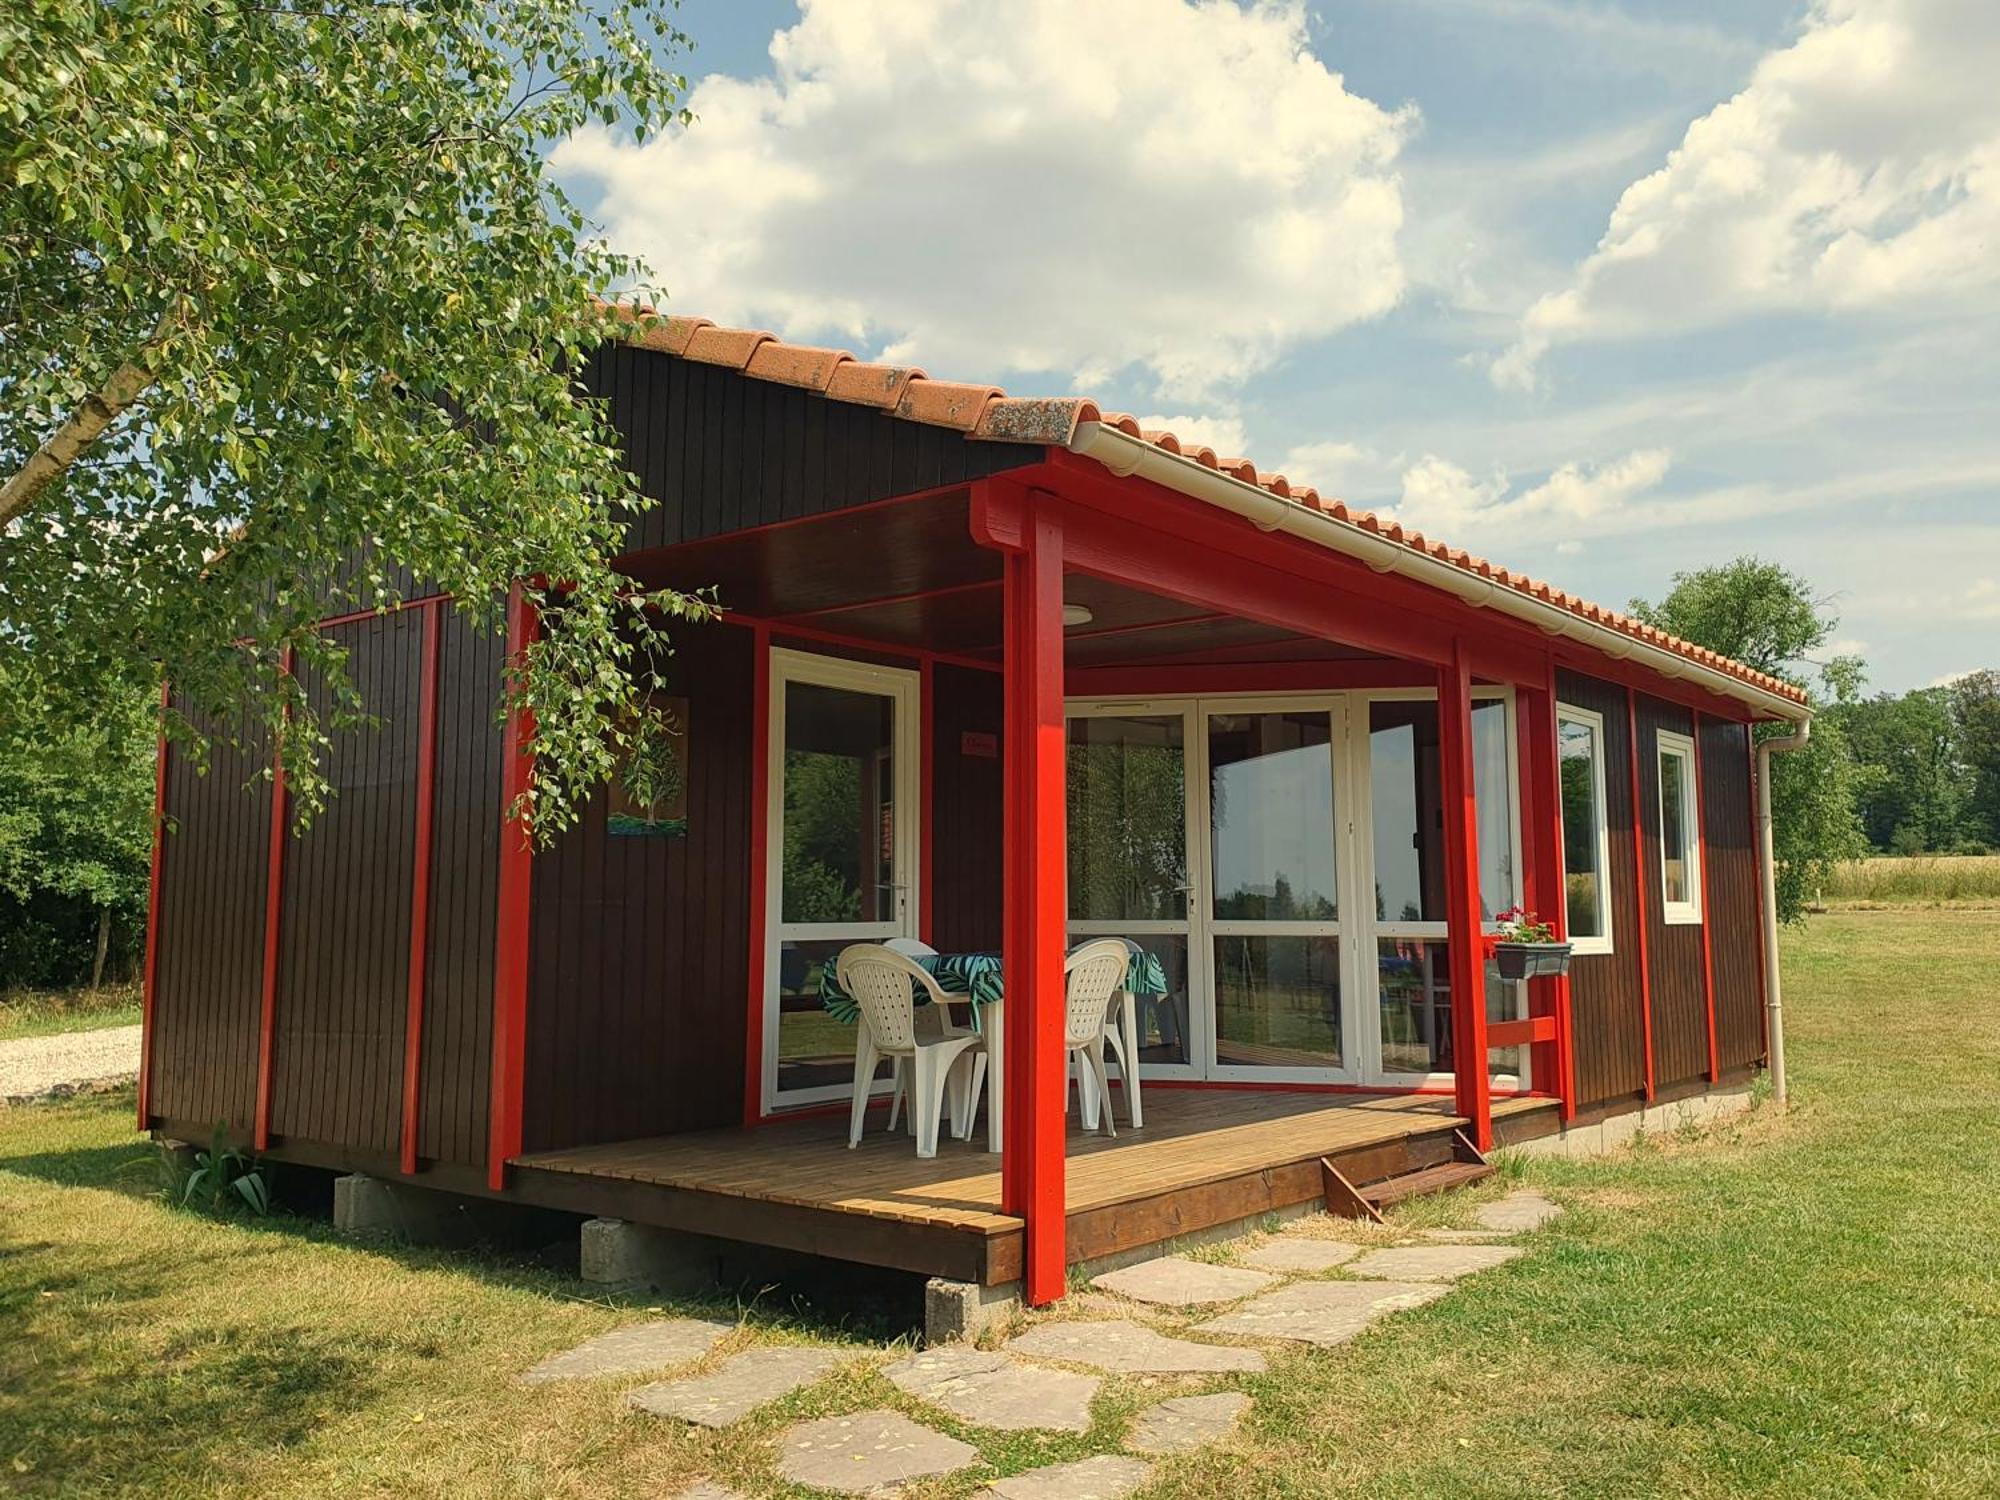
x=986, y=413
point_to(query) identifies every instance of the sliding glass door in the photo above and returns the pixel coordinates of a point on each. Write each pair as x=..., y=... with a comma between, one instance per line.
x=842, y=856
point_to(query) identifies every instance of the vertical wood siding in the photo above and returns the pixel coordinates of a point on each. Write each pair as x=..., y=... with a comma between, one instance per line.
x=1680, y=1003
x=1729, y=819
x=457, y=1044
x=1604, y=988
x=638, y=980
x=965, y=835
x=722, y=452
x=343, y=949
x=211, y=938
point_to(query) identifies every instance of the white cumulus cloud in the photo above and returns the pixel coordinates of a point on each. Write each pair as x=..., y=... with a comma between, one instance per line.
x=1225, y=434
x=1183, y=191
x=1442, y=500
x=1859, y=168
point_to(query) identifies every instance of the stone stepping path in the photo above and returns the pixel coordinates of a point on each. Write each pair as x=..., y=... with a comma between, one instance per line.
x=743, y=1383
x=1433, y=1262
x=1517, y=1212
x=1175, y=1281
x=1462, y=1236
x=1105, y=1477
x=1124, y=1347
x=1186, y=1422
x=868, y=1451
x=709, y=1490
x=993, y=1390
x=1322, y=1312
x=632, y=1351
x=1298, y=1256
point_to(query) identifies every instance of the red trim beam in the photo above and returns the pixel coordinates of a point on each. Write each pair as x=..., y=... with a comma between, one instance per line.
x=420, y=890
x=517, y=879
x=274, y=904
x=1467, y=953
x=150, y=990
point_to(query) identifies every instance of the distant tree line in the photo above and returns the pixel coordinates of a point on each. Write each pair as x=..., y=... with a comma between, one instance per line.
x=1927, y=765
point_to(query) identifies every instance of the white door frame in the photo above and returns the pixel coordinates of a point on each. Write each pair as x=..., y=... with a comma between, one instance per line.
x=903, y=687
x=1357, y=928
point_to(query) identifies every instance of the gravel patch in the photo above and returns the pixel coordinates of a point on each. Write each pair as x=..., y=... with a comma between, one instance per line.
x=74, y=1062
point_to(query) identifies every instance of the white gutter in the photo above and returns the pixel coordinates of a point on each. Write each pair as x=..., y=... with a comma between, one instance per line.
x=1124, y=454
x=1774, y=989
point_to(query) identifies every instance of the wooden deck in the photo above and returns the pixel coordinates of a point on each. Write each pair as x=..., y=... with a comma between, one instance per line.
x=1205, y=1157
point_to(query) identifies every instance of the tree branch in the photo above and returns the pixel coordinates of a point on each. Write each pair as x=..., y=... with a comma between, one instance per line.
x=96, y=412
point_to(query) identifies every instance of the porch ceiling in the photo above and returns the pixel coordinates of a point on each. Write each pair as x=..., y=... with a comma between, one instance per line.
x=907, y=575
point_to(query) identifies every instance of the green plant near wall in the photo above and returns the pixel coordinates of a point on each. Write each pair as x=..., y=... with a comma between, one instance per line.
x=219, y=1181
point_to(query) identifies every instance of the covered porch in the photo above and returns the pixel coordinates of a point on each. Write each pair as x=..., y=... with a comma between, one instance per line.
x=1068, y=594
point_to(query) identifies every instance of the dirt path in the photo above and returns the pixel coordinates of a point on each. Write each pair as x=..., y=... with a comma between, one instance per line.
x=35, y=1067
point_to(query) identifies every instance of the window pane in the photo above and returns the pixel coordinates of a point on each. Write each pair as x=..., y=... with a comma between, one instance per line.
x=1127, y=819
x=1407, y=816
x=839, y=830
x=1674, y=837
x=1582, y=819
x=1163, y=1021
x=814, y=1050
x=1277, y=1002
x=1271, y=791
x=1493, y=797
x=1415, y=998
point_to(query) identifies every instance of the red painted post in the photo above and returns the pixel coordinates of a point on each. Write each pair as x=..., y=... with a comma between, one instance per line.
x=1707, y=908
x=1473, y=1088
x=1639, y=887
x=517, y=878
x=151, y=983
x=274, y=902
x=420, y=886
x=927, y=798
x=760, y=870
x=1032, y=1162
x=1541, y=824
x=1757, y=867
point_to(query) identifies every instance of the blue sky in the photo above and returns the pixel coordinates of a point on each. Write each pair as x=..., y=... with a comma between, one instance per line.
x=1601, y=290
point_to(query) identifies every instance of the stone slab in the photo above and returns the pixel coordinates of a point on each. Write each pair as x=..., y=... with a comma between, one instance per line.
x=1463, y=1236
x=1174, y=1281
x=1120, y=1346
x=1433, y=1262
x=743, y=1383
x=1108, y=1476
x=1186, y=1422
x=868, y=1452
x=965, y=1309
x=1516, y=1212
x=708, y=1489
x=993, y=1390
x=1322, y=1312
x=1298, y=1256
x=633, y=1351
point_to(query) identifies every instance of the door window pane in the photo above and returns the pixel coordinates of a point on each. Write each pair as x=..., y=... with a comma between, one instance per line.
x=1407, y=816
x=1414, y=989
x=1271, y=816
x=1277, y=1002
x=1127, y=785
x=814, y=1050
x=1163, y=1020
x=1583, y=827
x=1680, y=855
x=839, y=818
x=1405, y=778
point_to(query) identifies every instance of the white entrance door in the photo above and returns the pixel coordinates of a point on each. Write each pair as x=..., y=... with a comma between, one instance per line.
x=842, y=860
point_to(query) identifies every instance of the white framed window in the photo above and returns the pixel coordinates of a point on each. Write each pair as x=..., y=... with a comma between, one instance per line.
x=1586, y=829
x=1680, y=822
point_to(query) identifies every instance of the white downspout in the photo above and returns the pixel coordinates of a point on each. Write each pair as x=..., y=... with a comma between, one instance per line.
x=1773, y=987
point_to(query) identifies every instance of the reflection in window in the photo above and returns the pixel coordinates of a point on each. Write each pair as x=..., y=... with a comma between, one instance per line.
x=1127, y=784
x=1680, y=872
x=839, y=819
x=1277, y=1002
x=1405, y=781
x=1271, y=816
x=1580, y=744
x=814, y=1050
x=1414, y=984
x=1163, y=1019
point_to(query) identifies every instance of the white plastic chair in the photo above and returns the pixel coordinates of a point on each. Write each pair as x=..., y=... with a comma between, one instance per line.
x=933, y=1021
x=882, y=984
x=1121, y=1030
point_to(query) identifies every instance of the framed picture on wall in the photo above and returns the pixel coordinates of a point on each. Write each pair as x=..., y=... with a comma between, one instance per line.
x=649, y=791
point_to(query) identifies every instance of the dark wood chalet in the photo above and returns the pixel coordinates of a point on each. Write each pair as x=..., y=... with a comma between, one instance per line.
x=996, y=674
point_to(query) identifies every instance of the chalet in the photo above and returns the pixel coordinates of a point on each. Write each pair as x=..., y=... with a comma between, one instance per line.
x=992, y=676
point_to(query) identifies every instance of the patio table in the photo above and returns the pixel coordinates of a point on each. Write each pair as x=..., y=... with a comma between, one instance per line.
x=976, y=979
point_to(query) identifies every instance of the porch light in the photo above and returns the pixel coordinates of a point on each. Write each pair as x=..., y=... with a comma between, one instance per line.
x=1076, y=614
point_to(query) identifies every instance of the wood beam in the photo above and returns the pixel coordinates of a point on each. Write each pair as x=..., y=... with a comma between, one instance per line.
x=1543, y=887
x=420, y=891
x=516, y=898
x=274, y=912
x=1467, y=961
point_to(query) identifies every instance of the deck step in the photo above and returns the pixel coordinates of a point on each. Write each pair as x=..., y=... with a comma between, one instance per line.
x=1438, y=1179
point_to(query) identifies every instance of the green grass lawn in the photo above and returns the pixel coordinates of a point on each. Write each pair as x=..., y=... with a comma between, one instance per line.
x=1805, y=1305
x=47, y=1012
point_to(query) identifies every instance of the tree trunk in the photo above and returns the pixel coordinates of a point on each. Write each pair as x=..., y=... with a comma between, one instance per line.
x=103, y=947
x=96, y=412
